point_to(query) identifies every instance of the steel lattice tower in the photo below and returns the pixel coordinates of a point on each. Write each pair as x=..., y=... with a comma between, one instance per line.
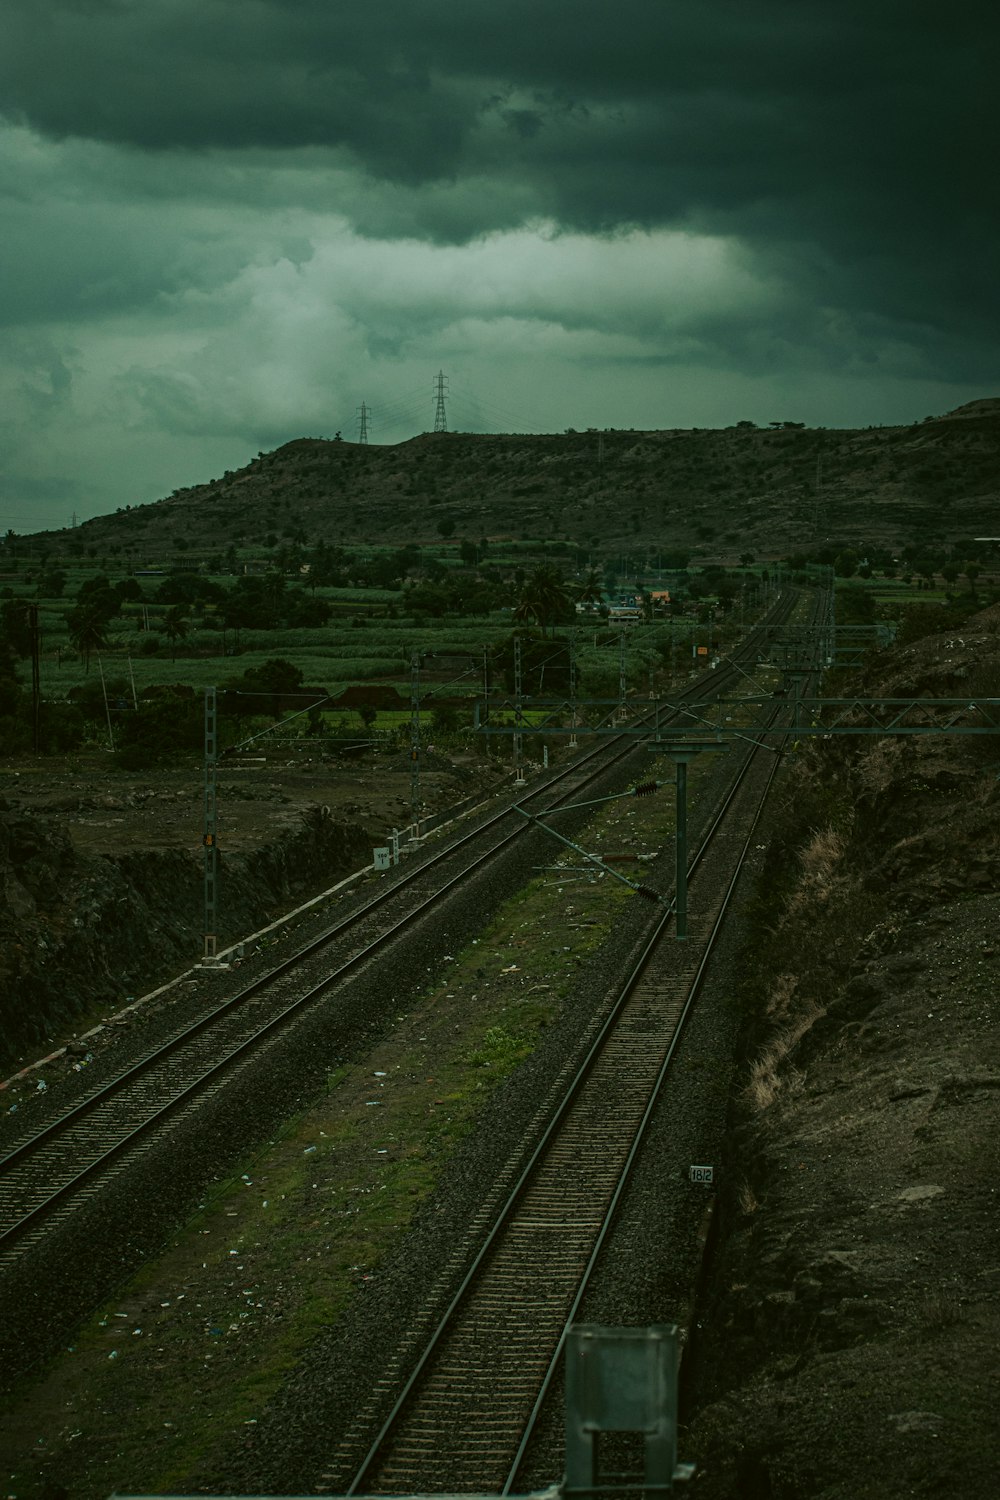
x=440, y=416
x=363, y=415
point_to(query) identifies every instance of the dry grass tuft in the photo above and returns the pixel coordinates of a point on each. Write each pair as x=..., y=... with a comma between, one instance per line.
x=781, y=997
x=747, y=1199
x=879, y=766
x=821, y=861
x=771, y=1072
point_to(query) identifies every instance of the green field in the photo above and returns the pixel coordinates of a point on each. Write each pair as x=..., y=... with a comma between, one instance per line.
x=360, y=642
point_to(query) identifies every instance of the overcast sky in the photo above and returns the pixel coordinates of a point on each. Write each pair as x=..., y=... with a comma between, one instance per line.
x=228, y=223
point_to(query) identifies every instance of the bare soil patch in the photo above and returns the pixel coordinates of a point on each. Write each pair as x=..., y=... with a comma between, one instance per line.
x=108, y=811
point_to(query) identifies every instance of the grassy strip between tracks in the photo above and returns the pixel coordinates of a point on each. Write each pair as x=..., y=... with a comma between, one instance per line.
x=182, y=1361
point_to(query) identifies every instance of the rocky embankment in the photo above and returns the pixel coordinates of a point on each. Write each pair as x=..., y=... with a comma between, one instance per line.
x=79, y=930
x=849, y=1335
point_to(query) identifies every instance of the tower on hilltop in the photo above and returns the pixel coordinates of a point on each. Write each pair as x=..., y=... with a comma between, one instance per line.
x=440, y=391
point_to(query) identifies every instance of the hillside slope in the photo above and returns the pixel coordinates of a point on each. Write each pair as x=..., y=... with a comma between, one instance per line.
x=851, y=1327
x=740, y=488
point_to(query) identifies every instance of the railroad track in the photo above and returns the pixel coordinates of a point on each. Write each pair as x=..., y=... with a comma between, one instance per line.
x=464, y=1418
x=46, y=1176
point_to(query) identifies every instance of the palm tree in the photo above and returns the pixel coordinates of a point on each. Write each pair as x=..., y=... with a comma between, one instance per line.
x=175, y=624
x=544, y=598
x=590, y=591
x=88, y=630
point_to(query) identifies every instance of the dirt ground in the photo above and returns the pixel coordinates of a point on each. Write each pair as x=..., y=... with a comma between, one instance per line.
x=108, y=811
x=102, y=871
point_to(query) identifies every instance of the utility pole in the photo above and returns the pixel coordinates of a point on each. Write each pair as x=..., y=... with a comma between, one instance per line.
x=107, y=705
x=622, y=712
x=36, y=691
x=209, y=836
x=572, y=686
x=440, y=391
x=363, y=415
x=415, y=744
x=518, y=720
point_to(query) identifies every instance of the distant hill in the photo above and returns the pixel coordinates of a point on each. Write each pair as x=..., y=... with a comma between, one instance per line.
x=764, y=490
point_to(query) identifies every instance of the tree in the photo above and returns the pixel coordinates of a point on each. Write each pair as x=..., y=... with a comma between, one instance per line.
x=444, y=719
x=590, y=589
x=178, y=588
x=302, y=611
x=544, y=598
x=97, y=594
x=52, y=584
x=276, y=675
x=15, y=626
x=129, y=590
x=88, y=630
x=175, y=627
x=446, y=528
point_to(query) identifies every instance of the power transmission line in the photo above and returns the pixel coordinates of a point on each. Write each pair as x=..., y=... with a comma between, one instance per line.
x=492, y=417
x=363, y=415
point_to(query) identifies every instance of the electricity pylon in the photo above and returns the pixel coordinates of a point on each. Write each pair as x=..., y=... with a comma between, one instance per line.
x=440, y=417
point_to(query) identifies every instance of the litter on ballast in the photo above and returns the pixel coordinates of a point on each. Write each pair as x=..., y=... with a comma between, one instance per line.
x=308, y=1149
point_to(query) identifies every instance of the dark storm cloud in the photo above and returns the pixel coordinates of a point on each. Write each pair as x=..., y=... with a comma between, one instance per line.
x=702, y=103
x=843, y=141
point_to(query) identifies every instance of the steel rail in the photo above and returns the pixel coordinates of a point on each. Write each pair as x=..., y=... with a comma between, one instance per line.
x=696, y=984
x=487, y=1253
x=144, y=1068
